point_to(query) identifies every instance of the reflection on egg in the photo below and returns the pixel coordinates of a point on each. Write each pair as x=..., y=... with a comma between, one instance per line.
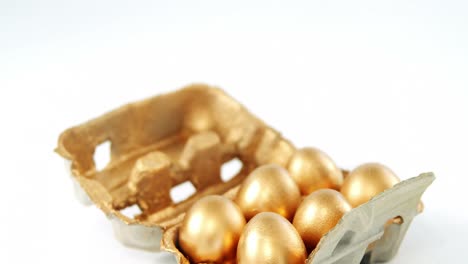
x=318, y=214
x=269, y=188
x=269, y=238
x=366, y=181
x=211, y=229
x=312, y=169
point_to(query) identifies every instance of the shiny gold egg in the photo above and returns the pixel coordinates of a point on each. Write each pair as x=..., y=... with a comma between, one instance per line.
x=319, y=213
x=269, y=238
x=211, y=229
x=366, y=181
x=269, y=188
x=312, y=169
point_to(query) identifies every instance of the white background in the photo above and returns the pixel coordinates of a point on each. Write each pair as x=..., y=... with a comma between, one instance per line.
x=363, y=80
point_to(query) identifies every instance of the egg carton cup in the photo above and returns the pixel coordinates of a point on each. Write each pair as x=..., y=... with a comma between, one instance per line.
x=187, y=136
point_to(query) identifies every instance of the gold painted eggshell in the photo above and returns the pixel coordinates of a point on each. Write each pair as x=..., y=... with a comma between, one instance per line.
x=366, y=181
x=211, y=229
x=312, y=169
x=318, y=214
x=269, y=188
x=269, y=238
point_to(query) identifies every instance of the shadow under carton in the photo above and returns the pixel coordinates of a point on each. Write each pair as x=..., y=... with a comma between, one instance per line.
x=186, y=136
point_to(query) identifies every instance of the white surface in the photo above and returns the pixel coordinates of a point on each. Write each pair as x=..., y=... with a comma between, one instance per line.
x=363, y=80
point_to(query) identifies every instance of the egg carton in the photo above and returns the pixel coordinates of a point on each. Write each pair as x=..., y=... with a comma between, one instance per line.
x=187, y=136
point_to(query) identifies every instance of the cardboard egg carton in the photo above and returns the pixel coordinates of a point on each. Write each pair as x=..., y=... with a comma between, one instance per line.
x=187, y=135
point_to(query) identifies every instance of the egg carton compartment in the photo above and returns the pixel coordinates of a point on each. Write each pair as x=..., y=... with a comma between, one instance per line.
x=185, y=138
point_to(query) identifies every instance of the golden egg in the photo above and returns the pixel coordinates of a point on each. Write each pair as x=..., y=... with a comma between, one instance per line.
x=269, y=238
x=318, y=214
x=366, y=181
x=312, y=169
x=211, y=229
x=269, y=188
